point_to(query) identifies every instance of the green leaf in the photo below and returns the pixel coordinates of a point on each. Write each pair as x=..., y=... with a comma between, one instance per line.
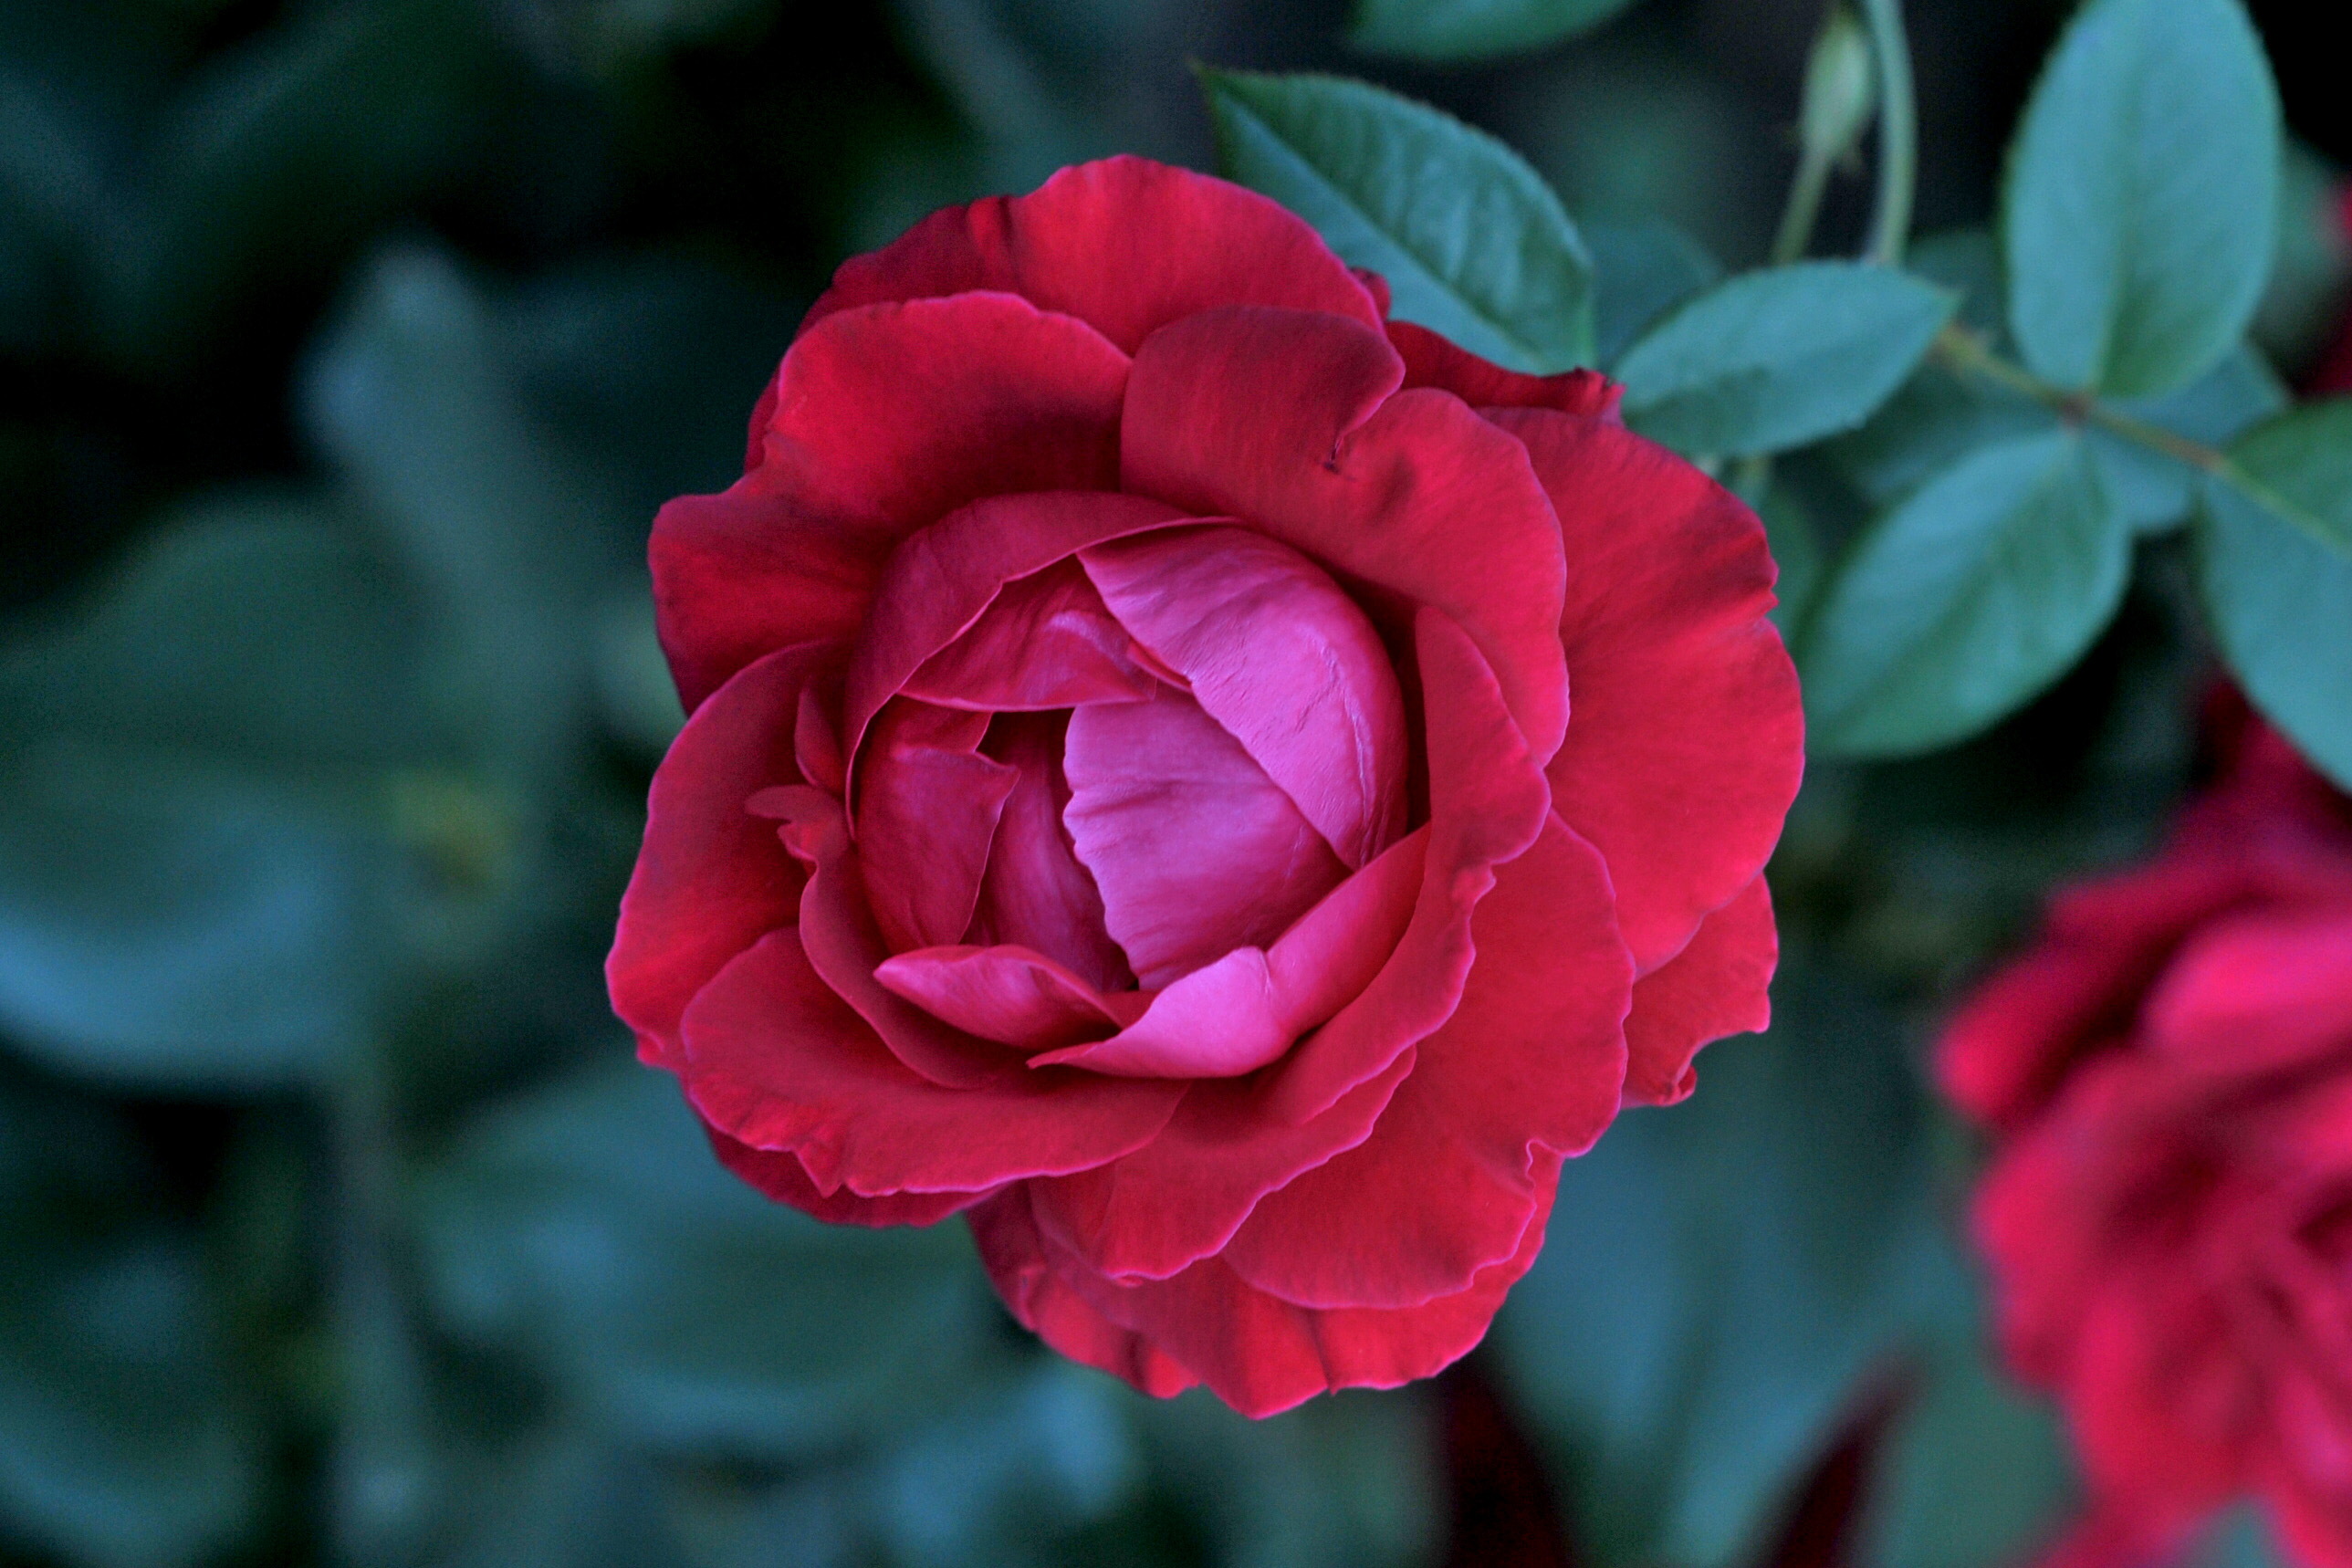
x=1976, y=1471
x=1640, y=271
x=1779, y=358
x=1473, y=29
x=2138, y=219
x=1718, y=1277
x=202, y=884
x=409, y=394
x=1965, y=601
x=279, y=157
x=1472, y=243
x=120, y=1441
x=1939, y=415
x=2275, y=565
x=589, y=1228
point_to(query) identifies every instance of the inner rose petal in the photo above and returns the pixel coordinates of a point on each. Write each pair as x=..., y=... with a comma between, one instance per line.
x=1034, y=893
x=1273, y=651
x=1196, y=852
x=927, y=811
x=1045, y=641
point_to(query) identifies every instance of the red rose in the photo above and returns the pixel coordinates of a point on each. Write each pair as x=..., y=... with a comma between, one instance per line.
x=2168, y=1212
x=1130, y=796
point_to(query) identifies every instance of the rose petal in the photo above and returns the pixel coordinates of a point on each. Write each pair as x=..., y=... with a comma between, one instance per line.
x=884, y=421
x=940, y=581
x=776, y=1060
x=1009, y=995
x=739, y=575
x=1530, y=1067
x=2019, y=1035
x=1035, y=894
x=2256, y=993
x=1045, y=641
x=890, y=416
x=1181, y=1197
x=1273, y=651
x=1124, y=244
x=1688, y=741
x=1286, y=418
x=817, y=743
x=1431, y=360
x=783, y=1178
x=845, y=947
x=711, y=880
x=1261, y=1354
x=1488, y=801
x=1720, y=984
x=1194, y=848
x=926, y=812
x=1014, y=1255
x=1244, y=1010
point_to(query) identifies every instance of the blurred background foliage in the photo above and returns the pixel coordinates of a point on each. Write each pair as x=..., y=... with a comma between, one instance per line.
x=346, y=349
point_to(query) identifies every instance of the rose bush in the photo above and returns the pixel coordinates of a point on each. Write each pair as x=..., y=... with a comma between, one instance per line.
x=1224, y=790
x=2168, y=1212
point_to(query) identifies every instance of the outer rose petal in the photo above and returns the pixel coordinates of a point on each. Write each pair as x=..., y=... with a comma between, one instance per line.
x=1261, y=1354
x=739, y=575
x=710, y=879
x=776, y=1060
x=1013, y=1252
x=1285, y=419
x=784, y=1179
x=1689, y=741
x=1530, y=1067
x=1431, y=360
x=884, y=420
x=1124, y=244
x=1181, y=1197
x=1720, y=985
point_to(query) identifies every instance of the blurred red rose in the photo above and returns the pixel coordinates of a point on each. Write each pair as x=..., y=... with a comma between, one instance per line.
x=2168, y=1211
x=1131, y=796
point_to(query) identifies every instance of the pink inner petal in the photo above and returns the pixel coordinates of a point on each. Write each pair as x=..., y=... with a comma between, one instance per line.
x=1245, y=1009
x=1035, y=894
x=1279, y=656
x=1195, y=850
x=927, y=811
x=1045, y=641
x=1009, y=995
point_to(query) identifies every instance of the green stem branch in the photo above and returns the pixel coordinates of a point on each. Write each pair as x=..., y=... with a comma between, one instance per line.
x=1898, y=132
x=1967, y=353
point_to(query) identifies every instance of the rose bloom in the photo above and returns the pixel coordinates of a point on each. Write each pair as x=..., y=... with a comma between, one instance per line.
x=1132, y=796
x=2168, y=1211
